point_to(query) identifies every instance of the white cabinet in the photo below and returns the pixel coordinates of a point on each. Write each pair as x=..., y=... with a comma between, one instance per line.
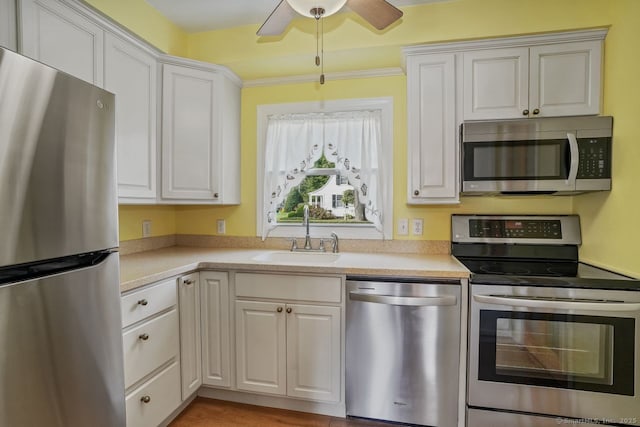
x=200, y=134
x=151, y=354
x=62, y=38
x=130, y=72
x=216, y=344
x=284, y=347
x=190, y=342
x=560, y=79
x=8, y=24
x=432, y=130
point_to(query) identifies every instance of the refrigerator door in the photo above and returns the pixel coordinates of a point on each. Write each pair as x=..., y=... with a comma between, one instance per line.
x=57, y=163
x=61, y=358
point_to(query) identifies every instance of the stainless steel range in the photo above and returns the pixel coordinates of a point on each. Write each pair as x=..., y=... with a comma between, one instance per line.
x=552, y=341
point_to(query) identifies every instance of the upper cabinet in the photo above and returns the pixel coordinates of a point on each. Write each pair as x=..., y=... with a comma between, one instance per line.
x=557, y=74
x=431, y=94
x=61, y=37
x=560, y=79
x=200, y=114
x=200, y=134
x=130, y=72
x=8, y=24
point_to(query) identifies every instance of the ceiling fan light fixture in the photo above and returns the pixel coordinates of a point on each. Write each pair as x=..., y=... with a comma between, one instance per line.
x=305, y=7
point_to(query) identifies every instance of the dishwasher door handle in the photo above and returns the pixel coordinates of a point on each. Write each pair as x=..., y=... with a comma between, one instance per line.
x=406, y=301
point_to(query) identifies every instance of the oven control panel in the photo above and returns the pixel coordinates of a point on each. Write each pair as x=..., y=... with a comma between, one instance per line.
x=515, y=228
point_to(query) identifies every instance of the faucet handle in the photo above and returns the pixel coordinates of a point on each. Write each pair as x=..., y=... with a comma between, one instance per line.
x=321, y=248
x=294, y=244
x=334, y=243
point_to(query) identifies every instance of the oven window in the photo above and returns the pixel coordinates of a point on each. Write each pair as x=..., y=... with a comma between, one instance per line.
x=567, y=351
x=517, y=160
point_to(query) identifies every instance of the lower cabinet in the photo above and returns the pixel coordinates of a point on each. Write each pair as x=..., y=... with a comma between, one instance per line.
x=151, y=346
x=216, y=344
x=287, y=348
x=190, y=341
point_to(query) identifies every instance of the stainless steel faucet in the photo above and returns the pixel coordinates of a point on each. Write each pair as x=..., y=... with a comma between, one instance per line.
x=334, y=243
x=305, y=222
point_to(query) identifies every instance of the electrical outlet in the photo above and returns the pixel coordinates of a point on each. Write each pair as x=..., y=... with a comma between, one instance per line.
x=403, y=227
x=416, y=226
x=222, y=227
x=146, y=228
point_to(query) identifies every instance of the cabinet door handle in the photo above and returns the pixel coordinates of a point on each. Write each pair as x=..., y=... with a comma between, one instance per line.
x=279, y=309
x=143, y=302
x=536, y=112
x=188, y=281
x=215, y=195
x=416, y=193
x=145, y=399
x=525, y=112
x=143, y=337
x=289, y=310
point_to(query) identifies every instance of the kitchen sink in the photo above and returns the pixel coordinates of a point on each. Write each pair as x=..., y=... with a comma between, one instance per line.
x=298, y=257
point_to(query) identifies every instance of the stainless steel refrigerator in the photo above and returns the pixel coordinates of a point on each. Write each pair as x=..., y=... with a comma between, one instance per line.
x=60, y=322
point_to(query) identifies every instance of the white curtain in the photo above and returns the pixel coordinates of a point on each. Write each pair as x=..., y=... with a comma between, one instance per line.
x=294, y=142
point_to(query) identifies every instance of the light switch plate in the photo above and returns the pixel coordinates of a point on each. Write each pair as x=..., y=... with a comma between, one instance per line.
x=222, y=227
x=416, y=226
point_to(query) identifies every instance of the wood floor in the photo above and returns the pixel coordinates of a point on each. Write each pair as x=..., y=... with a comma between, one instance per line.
x=216, y=413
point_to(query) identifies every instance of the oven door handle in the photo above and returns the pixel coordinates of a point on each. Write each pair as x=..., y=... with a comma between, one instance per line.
x=407, y=301
x=551, y=303
x=575, y=159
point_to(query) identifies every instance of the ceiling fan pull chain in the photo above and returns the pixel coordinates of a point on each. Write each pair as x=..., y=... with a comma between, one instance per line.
x=322, y=50
x=317, y=42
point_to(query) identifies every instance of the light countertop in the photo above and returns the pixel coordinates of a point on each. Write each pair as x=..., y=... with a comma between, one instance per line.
x=142, y=268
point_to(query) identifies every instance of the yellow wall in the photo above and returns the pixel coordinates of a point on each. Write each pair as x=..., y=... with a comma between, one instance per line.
x=145, y=21
x=163, y=220
x=609, y=220
x=351, y=44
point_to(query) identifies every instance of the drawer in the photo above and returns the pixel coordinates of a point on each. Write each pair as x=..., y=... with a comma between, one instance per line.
x=289, y=287
x=147, y=302
x=149, y=345
x=152, y=403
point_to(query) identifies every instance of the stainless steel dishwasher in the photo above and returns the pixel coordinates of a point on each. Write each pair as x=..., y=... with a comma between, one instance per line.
x=402, y=350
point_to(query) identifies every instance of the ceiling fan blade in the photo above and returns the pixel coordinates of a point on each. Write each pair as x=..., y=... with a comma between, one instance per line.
x=278, y=21
x=378, y=13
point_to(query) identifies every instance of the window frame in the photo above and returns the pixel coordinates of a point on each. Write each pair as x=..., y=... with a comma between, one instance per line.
x=355, y=231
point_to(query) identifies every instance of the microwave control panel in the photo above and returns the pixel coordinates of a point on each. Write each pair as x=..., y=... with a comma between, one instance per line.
x=595, y=158
x=515, y=229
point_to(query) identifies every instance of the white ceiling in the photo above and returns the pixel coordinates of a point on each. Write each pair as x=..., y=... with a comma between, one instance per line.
x=205, y=15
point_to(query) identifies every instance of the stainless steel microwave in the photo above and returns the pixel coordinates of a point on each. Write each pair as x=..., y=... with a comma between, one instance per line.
x=559, y=155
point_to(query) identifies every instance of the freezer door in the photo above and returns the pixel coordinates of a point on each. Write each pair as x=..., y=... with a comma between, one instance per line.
x=61, y=350
x=57, y=163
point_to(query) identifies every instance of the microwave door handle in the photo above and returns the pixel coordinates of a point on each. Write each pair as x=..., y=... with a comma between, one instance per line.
x=575, y=159
x=550, y=303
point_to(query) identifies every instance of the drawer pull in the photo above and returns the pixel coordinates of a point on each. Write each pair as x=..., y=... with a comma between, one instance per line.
x=188, y=282
x=143, y=337
x=145, y=399
x=143, y=302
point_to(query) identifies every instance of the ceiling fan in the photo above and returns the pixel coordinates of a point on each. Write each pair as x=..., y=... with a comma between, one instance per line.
x=378, y=13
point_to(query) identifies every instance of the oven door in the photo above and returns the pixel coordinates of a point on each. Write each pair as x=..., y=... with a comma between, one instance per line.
x=555, y=351
x=546, y=165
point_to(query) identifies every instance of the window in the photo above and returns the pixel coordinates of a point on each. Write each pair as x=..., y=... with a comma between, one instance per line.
x=335, y=156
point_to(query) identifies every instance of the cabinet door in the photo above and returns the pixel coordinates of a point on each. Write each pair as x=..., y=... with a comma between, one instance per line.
x=131, y=74
x=260, y=347
x=62, y=38
x=190, y=140
x=190, y=343
x=565, y=79
x=496, y=84
x=432, y=129
x=313, y=352
x=216, y=347
x=8, y=24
